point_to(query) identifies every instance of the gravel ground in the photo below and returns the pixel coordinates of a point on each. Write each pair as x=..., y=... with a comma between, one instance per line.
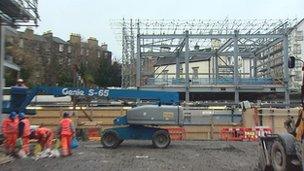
x=140, y=155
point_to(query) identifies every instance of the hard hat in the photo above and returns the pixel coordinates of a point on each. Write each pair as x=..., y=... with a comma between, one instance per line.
x=66, y=114
x=21, y=114
x=12, y=115
x=20, y=80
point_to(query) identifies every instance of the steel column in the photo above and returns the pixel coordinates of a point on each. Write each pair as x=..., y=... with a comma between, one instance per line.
x=254, y=67
x=2, y=54
x=187, y=56
x=268, y=64
x=236, y=66
x=286, y=70
x=177, y=74
x=250, y=67
x=132, y=55
x=209, y=70
x=216, y=67
x=138, y=60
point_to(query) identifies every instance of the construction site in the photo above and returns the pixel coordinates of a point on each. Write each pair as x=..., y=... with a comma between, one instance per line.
x=195, y=94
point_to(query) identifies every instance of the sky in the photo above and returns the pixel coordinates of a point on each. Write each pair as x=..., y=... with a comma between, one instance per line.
x=92, y=18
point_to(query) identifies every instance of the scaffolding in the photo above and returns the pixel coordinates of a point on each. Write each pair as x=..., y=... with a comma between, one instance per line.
x=14, y=14
x=263, y=44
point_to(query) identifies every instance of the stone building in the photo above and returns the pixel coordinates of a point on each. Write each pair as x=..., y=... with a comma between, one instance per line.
x=49, y=60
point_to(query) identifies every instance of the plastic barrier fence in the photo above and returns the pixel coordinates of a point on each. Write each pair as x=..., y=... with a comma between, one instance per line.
x=244, y=134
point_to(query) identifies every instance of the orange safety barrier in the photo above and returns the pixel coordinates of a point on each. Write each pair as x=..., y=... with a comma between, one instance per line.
x=176, y=133
x=93, y=134
x=243, y=134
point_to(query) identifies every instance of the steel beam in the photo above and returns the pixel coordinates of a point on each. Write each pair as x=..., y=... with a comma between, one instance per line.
x=11, y=65
x=208, y=36
x=265, y=47
x=162, y=36
x=192, y=53
x=155, y=46
x=225, y=45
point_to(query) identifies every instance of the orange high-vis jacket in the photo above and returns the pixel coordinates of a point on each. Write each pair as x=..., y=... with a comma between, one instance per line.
x=27, y=129
x=66, y=127
x=9, y=126
x=300, y=128
x=42, y=131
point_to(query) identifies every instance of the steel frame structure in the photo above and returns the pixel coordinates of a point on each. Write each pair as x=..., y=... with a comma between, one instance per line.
x=19, y=12
x=14, y=13
x=251, y=40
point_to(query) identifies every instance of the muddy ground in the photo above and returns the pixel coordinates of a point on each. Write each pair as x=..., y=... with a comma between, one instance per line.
x=140, y=155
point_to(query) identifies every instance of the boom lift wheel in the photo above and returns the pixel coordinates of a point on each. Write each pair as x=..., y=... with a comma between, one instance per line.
x=110, y=139
x=161, y=139
x=279, y=158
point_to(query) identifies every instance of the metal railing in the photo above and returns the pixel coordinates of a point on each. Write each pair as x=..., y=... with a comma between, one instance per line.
x=210, y=81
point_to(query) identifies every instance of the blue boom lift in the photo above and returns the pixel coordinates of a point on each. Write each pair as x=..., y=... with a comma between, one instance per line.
x=21, y=97
x=131, y=126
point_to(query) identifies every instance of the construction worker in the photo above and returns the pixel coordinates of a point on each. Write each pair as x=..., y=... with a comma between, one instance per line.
x=299, y=133
x=20, y=83
x=66, y=131
x=10, y=131
x=300, y=126
x=44, y=136
x=24, y=132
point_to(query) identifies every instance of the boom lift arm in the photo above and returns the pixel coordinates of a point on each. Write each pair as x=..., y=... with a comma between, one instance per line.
x=21, y=97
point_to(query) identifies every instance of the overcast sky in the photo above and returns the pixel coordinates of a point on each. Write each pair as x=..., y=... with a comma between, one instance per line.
x=92, y=18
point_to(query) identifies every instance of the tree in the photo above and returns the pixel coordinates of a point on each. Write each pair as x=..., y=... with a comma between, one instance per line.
x=115, y=71
x=107, y=74
x=103, y=74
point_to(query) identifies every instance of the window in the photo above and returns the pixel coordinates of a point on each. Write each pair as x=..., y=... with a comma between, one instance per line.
x=69, y=49
x=81, y=51
x=60, y=61
x=61, y=47
x=297, y=49
x=181, y=71
x=165, y=75
x=87, y=52
x=21, y=43
x=195, y=73
x=299, y=35
x=98, y=54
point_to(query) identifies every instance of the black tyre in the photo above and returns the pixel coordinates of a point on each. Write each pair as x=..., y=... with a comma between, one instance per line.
x=120, y=141
x=161, y=139
x=110, y=139
x=280, y=161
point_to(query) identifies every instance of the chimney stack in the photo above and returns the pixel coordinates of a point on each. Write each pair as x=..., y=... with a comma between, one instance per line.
x=48, y=34
x=29, y=32
x=92, y=42
x=75, y=38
